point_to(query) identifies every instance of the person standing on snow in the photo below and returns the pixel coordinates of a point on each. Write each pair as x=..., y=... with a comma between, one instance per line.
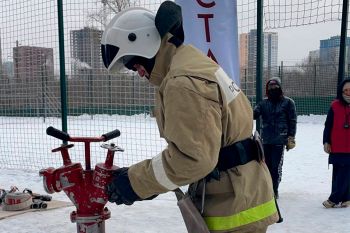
x=279, y=120
x=336, y=143
x=205, y=118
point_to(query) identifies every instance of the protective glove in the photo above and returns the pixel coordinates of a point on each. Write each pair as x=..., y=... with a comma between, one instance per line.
x=290, y=143
x=120, y=190
x=327, y=148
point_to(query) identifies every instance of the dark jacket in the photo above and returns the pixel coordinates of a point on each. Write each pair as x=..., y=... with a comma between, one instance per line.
x=336, y=114
x=279, y=119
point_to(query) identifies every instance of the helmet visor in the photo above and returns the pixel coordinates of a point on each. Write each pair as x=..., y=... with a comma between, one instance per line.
x=108, y=54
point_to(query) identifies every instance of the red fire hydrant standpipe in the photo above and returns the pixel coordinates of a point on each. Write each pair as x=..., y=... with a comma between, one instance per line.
x=85, y=188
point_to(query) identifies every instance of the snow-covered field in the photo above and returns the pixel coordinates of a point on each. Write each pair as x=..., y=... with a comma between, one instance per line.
x=305, y=184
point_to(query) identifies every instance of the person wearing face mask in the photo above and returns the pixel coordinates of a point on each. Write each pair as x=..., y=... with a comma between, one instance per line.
x=205, y=118
x=336, y=143
x=279, y=120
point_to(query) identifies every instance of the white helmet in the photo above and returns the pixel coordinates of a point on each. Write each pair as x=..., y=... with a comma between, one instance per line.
x=132, y=32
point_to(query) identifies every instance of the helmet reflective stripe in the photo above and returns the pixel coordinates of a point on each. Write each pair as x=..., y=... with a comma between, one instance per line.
x=245, y=217
x=132, y=32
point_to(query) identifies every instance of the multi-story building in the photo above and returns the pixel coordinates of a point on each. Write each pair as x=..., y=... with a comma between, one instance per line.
x=248, y=54
x=86, y=50
x=329, y=50
x=271, y=39
x=270, y=51
x=243, y=50
x=314, y=56
x=33, y=73
x=7, y=69
x=31, y=63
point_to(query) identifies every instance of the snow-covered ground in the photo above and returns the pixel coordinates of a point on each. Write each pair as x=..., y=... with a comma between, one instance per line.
x=305, y=184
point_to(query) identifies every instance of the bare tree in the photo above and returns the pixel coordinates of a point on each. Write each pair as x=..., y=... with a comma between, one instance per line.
x=109, y=7
x=334, y=59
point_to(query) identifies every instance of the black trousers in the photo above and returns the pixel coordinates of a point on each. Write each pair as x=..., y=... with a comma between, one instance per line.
x=340, y=183
x=274, y=161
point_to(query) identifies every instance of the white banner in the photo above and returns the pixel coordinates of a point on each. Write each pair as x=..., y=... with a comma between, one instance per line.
x=211, y=26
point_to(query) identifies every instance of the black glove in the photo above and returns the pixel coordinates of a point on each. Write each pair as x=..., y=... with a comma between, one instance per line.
x=120, y=190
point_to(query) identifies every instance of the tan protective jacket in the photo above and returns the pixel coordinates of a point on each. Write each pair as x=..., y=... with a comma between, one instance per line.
x=199, y=110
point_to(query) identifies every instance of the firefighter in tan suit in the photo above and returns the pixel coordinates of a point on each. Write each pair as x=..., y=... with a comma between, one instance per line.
x=205, y=118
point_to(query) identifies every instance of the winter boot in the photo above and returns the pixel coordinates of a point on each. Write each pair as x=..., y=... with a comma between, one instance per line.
x=328, y=204
x=345, y=204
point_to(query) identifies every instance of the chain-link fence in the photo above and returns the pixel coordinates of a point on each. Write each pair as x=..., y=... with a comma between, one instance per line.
x=30, y=93
x=312, y=87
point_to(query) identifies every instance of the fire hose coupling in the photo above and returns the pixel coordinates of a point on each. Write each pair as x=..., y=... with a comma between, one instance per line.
x=57, y=179
x=38, y=204
x=49, y=180
x=74, y=217
x=37, y=197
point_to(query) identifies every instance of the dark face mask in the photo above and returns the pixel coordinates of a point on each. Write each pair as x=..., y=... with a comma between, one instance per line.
x=275, y=94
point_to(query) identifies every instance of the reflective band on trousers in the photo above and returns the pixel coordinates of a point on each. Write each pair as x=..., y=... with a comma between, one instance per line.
x=243, y=218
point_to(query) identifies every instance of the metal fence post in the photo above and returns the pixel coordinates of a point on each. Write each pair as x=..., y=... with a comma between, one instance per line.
x=63, y=84
x=343, y=41
x=259, y=56
x=315, y=77
x=281, y=74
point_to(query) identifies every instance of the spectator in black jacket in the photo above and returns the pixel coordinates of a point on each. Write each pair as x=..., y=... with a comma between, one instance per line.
x=279, y=122
x=336, y=143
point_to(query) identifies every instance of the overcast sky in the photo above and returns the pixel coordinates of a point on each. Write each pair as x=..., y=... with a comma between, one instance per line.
x=295, y=42
x=34, y=23
x=316, y=20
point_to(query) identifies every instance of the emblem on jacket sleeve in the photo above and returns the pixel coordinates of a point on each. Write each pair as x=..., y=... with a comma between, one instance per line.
x=228, y=86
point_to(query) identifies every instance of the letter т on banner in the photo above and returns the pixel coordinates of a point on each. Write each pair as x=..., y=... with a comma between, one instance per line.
x=211, y=26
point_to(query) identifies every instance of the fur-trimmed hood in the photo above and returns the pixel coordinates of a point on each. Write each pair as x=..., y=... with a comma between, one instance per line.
x=273, y=79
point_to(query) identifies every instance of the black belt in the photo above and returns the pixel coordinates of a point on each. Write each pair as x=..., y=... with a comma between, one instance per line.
x=237, y=154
